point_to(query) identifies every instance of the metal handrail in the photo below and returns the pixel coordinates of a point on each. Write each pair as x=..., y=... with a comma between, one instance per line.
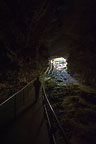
x=46, y=99
x=52, y=138
x=58, y=122
x=1, y=104
x=16, y=104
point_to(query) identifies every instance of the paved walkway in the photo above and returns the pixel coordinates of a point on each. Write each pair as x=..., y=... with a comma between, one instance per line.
x=29, y=128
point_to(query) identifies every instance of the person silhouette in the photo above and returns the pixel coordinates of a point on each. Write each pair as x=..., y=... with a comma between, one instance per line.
x=37, y=85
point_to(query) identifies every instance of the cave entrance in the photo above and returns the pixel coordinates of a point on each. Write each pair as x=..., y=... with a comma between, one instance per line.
x=58, y=63
x=57, y=72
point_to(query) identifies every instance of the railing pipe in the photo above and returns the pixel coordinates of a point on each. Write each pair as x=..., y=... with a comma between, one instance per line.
x=50, y=126
x=59, y=125
x=15, y=94
x=14, y=105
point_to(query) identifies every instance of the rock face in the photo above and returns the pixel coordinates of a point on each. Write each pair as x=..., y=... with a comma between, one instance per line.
x=44, y=28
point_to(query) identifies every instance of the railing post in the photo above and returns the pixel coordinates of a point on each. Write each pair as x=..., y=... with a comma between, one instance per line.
x=23, y=97
x=15, y=107
x=43, y=97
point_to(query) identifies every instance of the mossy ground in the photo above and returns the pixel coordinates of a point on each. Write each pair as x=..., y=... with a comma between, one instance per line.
x=75, y=107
